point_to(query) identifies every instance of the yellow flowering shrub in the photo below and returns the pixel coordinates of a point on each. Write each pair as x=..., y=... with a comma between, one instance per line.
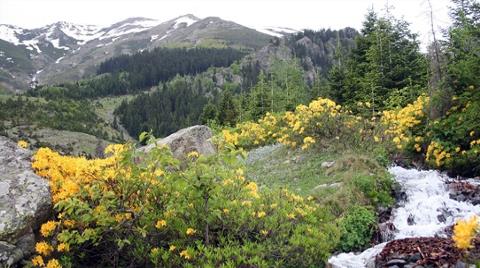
x=321, y=119
x=451, y=142
x=66, y=173
x=203, y=212
x=402, y=125
x=464, y=231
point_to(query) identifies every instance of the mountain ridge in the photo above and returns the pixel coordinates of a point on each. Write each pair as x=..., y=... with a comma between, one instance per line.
x=64, y=51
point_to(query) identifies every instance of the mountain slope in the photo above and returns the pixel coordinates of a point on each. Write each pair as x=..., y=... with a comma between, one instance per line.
x=63, y=51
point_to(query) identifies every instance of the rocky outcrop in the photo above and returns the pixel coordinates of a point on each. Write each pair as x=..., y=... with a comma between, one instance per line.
x=195, y=138
x=25, y=202
x=464, y=191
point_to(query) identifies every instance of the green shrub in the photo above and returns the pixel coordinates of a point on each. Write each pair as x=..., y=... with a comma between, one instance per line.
x=357, y=227
x=377, y=188
x=200, y=213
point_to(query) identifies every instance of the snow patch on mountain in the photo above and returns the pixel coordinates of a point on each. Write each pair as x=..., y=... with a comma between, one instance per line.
x=32, y=44
x=59, y=59
x=82, y=33
x=138, y=25
x=277, y=31
x=188, y=20
x=56, y=44
x=9, y=33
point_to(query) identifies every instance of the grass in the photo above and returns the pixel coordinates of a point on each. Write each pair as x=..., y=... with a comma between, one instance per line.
x=68, y=142
x=355, y=178
x=294, y=169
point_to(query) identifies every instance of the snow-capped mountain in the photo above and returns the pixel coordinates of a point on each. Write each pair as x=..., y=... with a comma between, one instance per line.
x=66, y=51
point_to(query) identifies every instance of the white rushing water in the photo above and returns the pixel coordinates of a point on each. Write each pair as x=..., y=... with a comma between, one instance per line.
x=427, y=202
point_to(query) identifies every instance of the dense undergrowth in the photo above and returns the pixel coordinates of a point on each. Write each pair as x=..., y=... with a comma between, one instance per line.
x=149, y=209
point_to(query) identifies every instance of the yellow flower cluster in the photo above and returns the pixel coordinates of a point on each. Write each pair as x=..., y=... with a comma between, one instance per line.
x=253, y=189
x=53, y=263
x=293, y=129
x=37, y=261
x=193, y=154
x=47, y=228
x=400, y=122
x=160, y=224
x=66, y=173
x=43, y=248
x=185, y=255
x=464, y=231
x=63, y=247
x=190, y=231
x=436, y=151
x=307, y=141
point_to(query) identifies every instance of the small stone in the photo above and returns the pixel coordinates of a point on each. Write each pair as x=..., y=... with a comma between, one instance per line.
x=415, y=257
x=327, y=164
x=396, y=262
x=411, y=220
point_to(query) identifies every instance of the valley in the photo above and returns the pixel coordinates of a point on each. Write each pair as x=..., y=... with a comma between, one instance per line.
x=200, y=142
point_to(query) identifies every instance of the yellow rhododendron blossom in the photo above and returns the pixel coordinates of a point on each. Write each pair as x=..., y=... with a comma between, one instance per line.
x=53, y=263
x=155, y=251
x=464, y=231
x=190, y=231
x=185, y=255
x=38, y=261
x=193, y=154
x=261, y=214
x=43, y=248
x=172, y=248
x=253, y=188
x=160, y=224
x=69, y=223
x=47, y=228
x=63, y=247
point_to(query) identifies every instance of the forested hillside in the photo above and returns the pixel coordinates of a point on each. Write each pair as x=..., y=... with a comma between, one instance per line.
x=276, y=78
x=132, y=74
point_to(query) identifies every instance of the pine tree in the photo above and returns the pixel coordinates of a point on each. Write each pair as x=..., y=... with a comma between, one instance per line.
x=227, y=113
x=260, y=99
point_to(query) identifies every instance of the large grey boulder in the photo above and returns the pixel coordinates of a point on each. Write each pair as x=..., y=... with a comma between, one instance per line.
x=25, y=202
x=195, y=138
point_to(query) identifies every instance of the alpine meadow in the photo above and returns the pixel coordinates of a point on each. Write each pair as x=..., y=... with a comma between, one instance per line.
x=202, y=142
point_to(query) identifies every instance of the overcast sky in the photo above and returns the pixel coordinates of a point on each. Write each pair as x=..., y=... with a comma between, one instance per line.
x=298, y=14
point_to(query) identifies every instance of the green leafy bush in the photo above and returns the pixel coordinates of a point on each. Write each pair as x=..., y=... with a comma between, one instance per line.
x=357, y=227
x=148, y=209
